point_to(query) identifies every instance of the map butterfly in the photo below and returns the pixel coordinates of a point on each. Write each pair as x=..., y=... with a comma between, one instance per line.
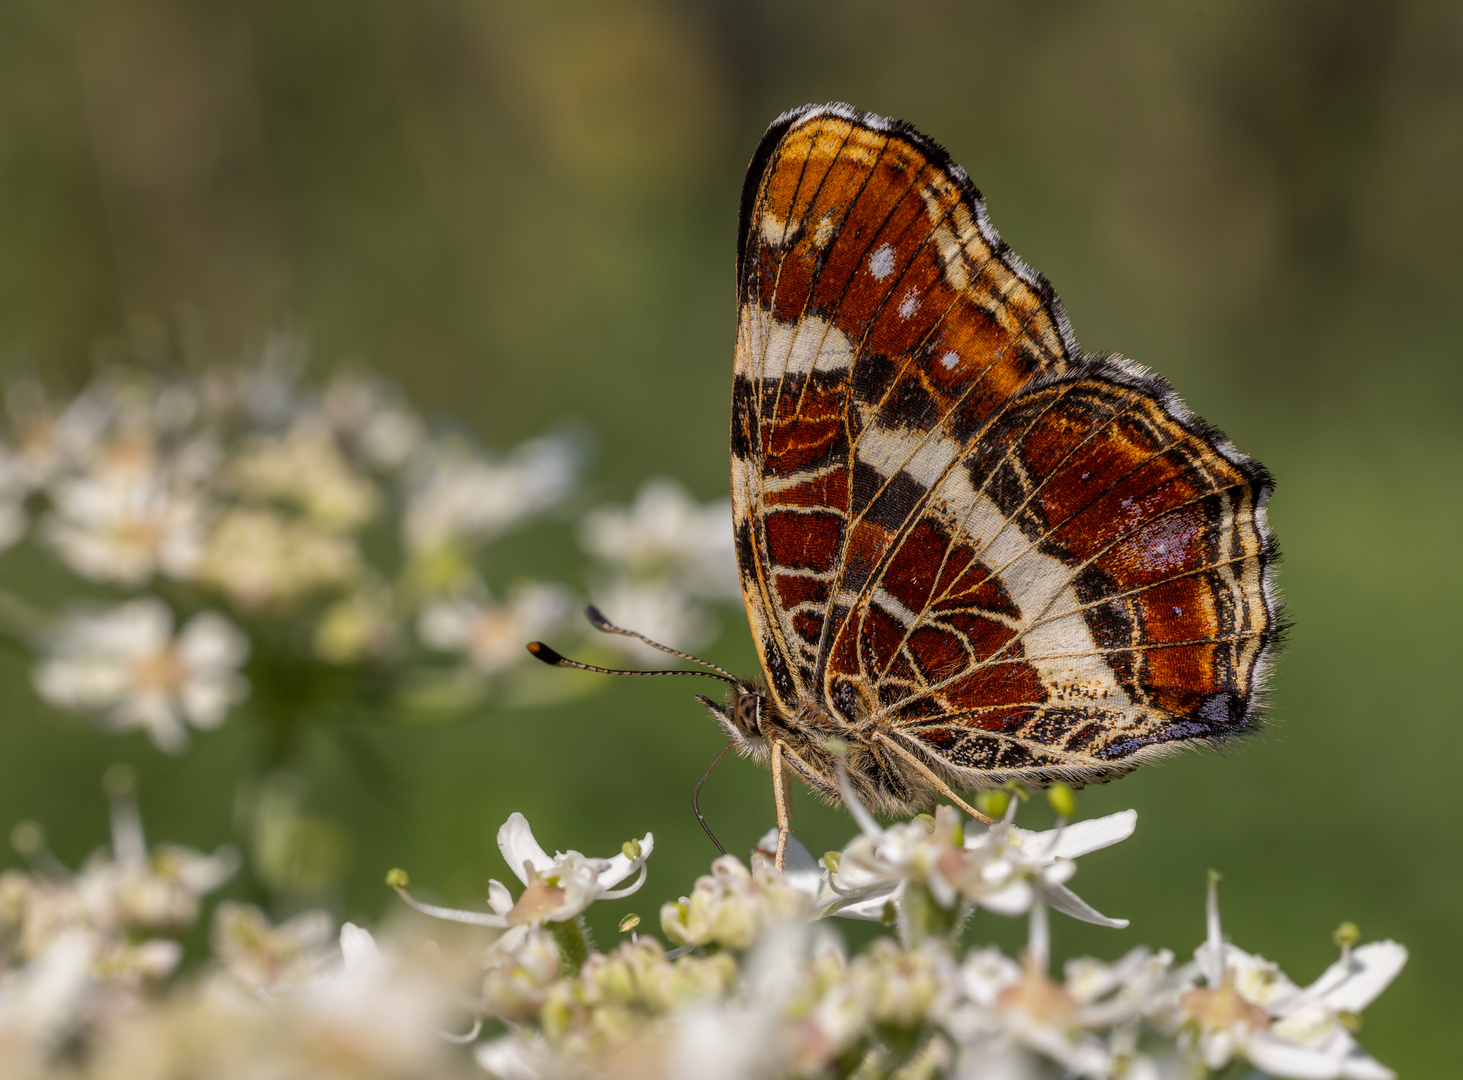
x=970, y=551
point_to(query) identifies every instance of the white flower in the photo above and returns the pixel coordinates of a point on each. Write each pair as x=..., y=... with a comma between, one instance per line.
x=305, y=468
x=561, y=886
x=368, y=416
x=733, y=906
x=47, y=439
x=42, y=1001
x=666, y=533
x=125, y=528
x=125, y=666
x=160, y=889
x=521, y=967
x=260, y=559
x=558, y=888
x=1010, y=869
x=1010, y=1012
x=1250, y=1009
x=519, y=1056
x=14, y=487
x=1001, y=868
x=493, y=635
x=660, y=609
x=267, y=957
x=373, y=1014
x=455, y=496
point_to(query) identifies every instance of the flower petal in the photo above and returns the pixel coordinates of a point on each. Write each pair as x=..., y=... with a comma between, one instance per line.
x=1093, y=834
x=620, y=865
x=1296, y=1061
x=1353, y=983
x=499, y=898
x=516, y=842
x=358, y=949
x=1060, y=898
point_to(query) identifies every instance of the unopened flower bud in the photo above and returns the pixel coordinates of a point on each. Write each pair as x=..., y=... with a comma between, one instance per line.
x=1062, y=800
x=27, y=838
x=992, y=803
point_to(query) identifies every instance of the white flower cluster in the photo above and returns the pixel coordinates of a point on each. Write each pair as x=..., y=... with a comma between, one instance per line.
x=660, y=560
x=760, y=986
x=757, y=984
x=254, y=513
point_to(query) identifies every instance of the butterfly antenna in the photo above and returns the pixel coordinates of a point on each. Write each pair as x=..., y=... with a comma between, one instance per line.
x=696, y=798
x=604, y=626
x=553, y=659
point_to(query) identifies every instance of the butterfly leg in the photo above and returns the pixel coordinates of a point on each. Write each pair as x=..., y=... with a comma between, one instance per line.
x=929, y=774
x=779, y=794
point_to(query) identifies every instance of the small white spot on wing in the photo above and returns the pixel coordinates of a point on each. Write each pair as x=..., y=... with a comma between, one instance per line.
x=909, y=305
x=949, y=360
x=824, y=232
x=881, y=262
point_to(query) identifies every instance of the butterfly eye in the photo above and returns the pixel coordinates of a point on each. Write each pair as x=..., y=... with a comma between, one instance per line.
x=747, y=714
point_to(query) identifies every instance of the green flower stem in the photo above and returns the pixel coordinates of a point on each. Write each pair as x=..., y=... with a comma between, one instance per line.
x=574, y=943
x=923, y=918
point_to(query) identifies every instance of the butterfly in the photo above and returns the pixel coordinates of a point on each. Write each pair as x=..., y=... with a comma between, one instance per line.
x=970, y=551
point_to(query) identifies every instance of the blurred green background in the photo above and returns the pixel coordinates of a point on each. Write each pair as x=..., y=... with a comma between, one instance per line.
x=526, y=212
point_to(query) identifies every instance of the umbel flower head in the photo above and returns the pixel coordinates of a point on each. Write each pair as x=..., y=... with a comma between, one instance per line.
x=125, y=665
x=557, y=888
x=1248, y=1008
x=760, y=985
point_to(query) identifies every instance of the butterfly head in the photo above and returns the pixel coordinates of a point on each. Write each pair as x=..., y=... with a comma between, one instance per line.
x=741, y=713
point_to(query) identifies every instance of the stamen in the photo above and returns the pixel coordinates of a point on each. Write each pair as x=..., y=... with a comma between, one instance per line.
x=397, y=880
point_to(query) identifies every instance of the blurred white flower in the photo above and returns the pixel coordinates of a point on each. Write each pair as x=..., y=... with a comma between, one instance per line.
x=1250, y=1009
x=125, y=666
x=266, y=957
x=14, y=488
x=369, y=417
x=521, y=966
x=43, y=1002
x=455, y=496
x=521, y=1055
x=1016, y=1014
x=665, y=533
x=374, y=1014
x=492, y=635
x=262, y=560
x=304, y=468
x=661, y=610
x=363, y=624
x=48, y=438
x=125, y=528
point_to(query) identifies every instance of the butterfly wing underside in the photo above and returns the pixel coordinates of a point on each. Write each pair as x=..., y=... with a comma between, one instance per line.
x=952, y=525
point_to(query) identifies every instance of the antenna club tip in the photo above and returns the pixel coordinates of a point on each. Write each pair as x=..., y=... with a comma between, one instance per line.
x=597, y=618
x=542, y=652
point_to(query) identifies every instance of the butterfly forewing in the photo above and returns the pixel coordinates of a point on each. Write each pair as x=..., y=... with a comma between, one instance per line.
x=952, y=526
